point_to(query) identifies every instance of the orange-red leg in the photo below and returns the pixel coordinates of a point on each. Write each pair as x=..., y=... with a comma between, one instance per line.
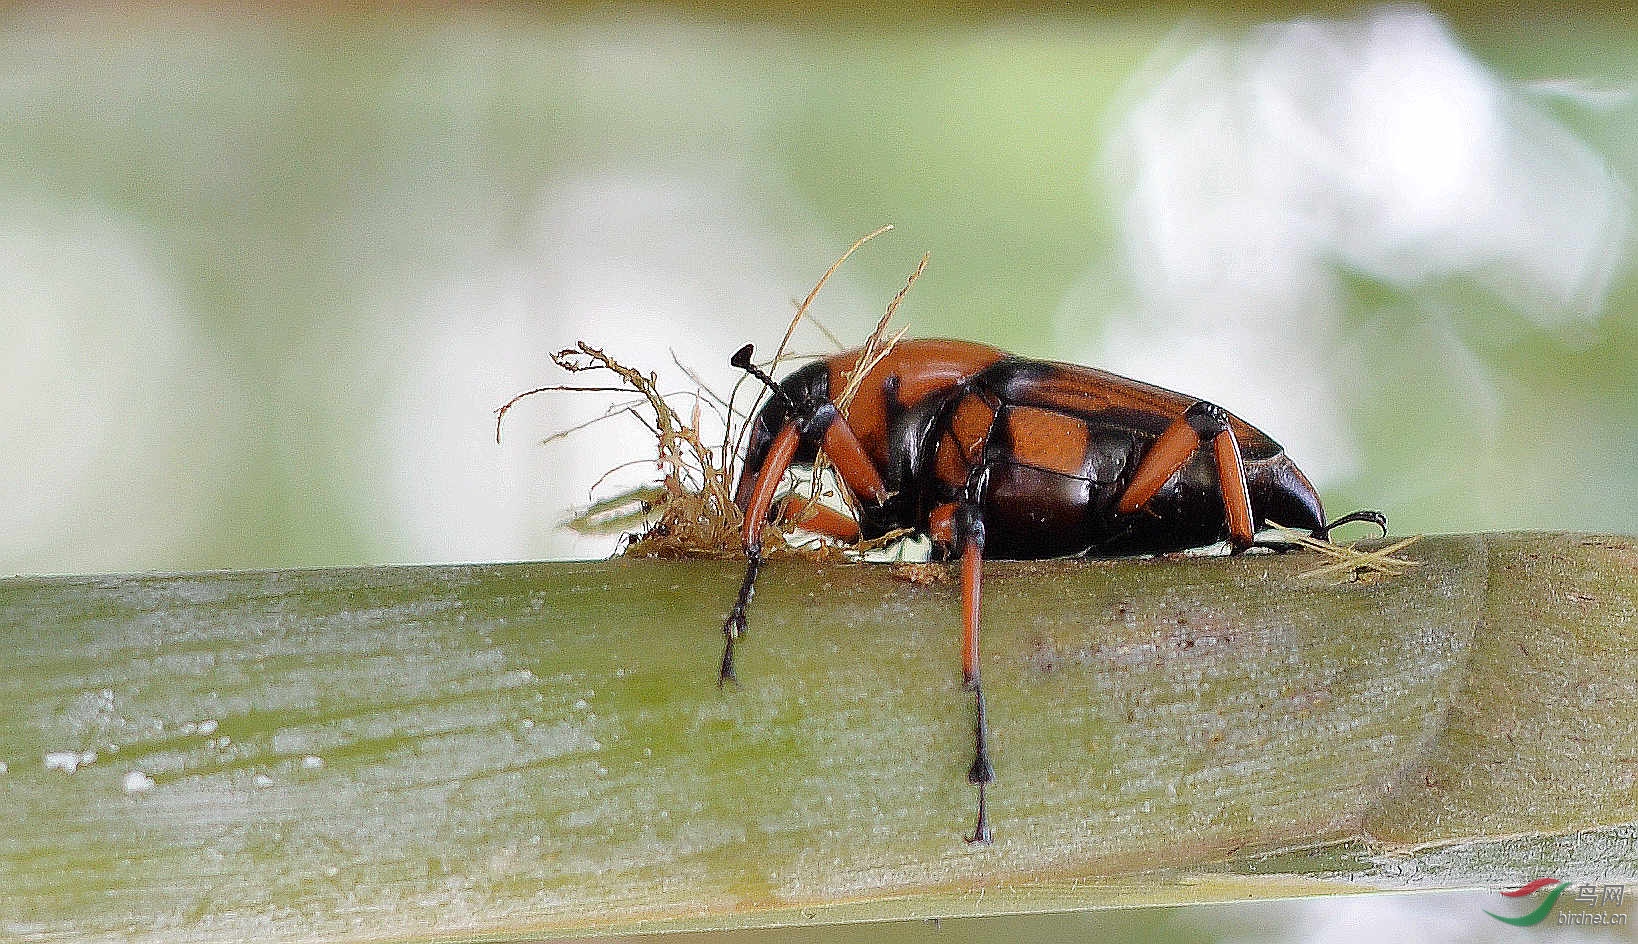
x=941, y=526
x=952, y=525
x=756, y=517
x=970, y=530
x=767, y=483
x=852, y=463
x=823, y=426
x=820, y=519
x=1175, y=445
x=1165, y=456
x=972, y=566
x=854, y=467
x=1231, y=481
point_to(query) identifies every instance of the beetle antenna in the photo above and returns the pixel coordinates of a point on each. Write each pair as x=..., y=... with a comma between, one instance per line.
x=1374, y=517
x=742, y=360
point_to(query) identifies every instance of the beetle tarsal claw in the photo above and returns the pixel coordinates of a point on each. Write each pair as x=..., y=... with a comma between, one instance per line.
x=725, y=673
x=981, y=831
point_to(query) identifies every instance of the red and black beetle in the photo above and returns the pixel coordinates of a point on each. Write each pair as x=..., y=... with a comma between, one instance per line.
x=1000, y=457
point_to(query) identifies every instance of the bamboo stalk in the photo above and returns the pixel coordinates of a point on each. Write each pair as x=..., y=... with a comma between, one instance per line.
x=541, y=749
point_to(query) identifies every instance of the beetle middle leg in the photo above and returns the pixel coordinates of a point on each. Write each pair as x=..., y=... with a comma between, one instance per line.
x=820, y=519
x=961, y=526
x=1201, y=423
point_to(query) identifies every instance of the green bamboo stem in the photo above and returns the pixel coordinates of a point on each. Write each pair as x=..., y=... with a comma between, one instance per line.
x=541, y=749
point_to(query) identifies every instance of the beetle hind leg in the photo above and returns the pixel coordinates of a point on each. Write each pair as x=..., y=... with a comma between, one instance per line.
x=1199, y=425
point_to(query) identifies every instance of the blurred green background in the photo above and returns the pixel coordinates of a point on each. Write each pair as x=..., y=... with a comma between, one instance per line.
x=265, y=273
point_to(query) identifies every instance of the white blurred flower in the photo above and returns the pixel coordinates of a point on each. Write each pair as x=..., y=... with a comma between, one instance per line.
x=1253, y=171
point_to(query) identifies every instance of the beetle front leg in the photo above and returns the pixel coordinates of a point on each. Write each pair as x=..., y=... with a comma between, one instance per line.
x=756, y=518
x=826, y=427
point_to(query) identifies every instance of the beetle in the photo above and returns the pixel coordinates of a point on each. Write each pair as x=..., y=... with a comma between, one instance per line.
x=996, y=456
